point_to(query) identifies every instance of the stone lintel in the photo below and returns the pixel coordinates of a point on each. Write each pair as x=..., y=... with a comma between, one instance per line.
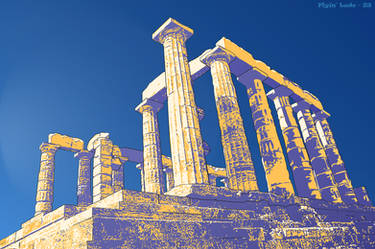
x=320, y=115
x=66, y=142
x=274, y=78
x=171, y=26
x=301, y=106
x=216, y=54
x=149, y=102
x=156, y=89
x=280, y=91
x=248, y=78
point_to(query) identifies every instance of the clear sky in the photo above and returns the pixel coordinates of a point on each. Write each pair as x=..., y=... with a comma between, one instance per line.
x=79, y=68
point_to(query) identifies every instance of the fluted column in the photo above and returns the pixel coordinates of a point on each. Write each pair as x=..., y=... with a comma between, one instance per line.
x=153, y=171
x=303, y=174
x=239, y=165
x=318, y=158
x=44, y=195
x=84, y=197
x=189, y=165
x=273, y=160
x=340, y=175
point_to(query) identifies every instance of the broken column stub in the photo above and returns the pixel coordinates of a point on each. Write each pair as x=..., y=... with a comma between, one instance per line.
x=106, y=156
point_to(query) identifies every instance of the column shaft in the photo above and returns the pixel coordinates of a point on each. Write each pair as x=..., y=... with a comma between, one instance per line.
x=318, y=158
x=340, y=175
x=84, y=197
x=151, y=152
x=189, y=164
x=117, y=178
x=102, y=173
x=44, y=196
x=303, y=174
x=273, y=159
x=239, y=165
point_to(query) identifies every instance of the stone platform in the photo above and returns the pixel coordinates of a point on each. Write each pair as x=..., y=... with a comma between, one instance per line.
x=207, y=217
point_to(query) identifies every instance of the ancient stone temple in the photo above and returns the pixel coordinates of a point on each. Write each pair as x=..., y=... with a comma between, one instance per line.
x=180, y=205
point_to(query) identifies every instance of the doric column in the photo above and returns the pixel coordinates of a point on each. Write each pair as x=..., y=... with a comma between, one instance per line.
x=340, y=175
x=273, y=160
x=140, y=167
x=362, y=196
x=303, y=174
x=44, y=195
x=239, y=165
x=169, y=178
x=153, y=174
x=84, y=197
x=189, y=165
x=318, y=158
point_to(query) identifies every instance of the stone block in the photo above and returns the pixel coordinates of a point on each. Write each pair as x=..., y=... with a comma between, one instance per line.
x=66, y=142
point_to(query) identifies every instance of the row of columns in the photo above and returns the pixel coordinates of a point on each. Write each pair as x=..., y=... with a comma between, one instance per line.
x=107, y=174
x=44, y=196
x=318, y=169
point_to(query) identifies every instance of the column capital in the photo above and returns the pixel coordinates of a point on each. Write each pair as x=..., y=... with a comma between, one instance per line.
x=149, y=103
x=216, y=54
x=320, y=115
x=44, y=147
x=301, y=106
x=84, y=153
x=280, y=91
x=172, y=28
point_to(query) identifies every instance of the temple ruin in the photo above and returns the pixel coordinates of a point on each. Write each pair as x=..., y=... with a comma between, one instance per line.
x=180, y=205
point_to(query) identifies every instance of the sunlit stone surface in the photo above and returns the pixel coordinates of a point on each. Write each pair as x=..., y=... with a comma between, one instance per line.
x=194, y=212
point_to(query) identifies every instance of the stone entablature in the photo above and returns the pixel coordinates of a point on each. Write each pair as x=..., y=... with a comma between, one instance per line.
x=180, y=205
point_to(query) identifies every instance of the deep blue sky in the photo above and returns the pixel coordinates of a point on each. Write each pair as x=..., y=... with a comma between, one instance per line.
x=79, y=68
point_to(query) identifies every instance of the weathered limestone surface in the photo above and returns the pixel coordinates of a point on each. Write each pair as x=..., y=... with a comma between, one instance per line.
x=239, y=165
x=107, y=156
x=84, y=197
x=46, y=178
x=189, y=165
x=303, y=174
x=318, y=158
x=336, y=163
x=194, y=212
x=209, y=218
x=273, y=160
x=152, y=162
